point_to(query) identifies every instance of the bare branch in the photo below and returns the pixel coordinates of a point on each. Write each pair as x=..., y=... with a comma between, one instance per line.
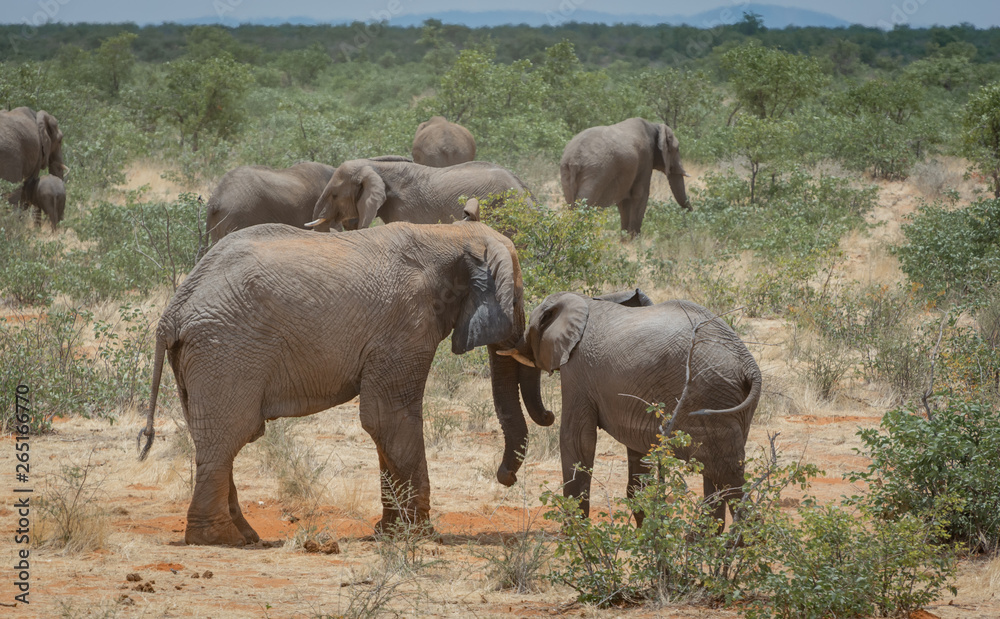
x=930, y=384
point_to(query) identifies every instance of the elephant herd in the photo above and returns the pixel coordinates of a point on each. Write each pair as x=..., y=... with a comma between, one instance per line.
x=280, y=321
x=29, y=142
x=603, y=165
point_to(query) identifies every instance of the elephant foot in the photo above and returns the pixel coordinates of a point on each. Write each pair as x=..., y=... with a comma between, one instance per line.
x=216, y=535
x=393, y=525
x=249, y=534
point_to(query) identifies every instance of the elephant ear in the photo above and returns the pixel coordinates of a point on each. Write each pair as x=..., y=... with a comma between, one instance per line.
x=628, y=298
x=670, y=151
x=555, y=329
x=45, y=122
x=489, y=310
x=372, y=196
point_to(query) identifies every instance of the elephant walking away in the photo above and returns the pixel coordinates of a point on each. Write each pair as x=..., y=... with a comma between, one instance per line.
x=280, y=322
x=362, y=189
x=439, y=143
x=44, y=195
x=613, y=164
x=617, y=352
x=29, y=141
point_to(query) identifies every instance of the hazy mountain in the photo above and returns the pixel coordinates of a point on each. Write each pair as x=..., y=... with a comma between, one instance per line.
x=773, y=17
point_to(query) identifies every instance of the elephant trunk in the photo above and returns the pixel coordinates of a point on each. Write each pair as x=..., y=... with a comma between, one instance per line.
x=505, y=377
x=530, y=380
x=677, y=187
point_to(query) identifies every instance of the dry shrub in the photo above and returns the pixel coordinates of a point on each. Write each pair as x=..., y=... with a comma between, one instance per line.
x=73, y=516
x=292, y=462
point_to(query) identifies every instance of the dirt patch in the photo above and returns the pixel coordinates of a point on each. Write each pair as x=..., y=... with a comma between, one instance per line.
x=822, y=421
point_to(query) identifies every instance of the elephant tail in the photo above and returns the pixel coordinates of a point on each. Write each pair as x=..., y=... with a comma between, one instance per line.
x=747, y=407
x=148, y=431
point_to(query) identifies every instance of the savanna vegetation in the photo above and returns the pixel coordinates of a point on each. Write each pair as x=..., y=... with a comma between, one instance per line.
x=794, y=132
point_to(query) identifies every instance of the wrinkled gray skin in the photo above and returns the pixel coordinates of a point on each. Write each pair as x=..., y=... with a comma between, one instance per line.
x=44, y=195
x=29, y=142
x=621, y=344
x=252, y=195
x=613, y=164
x=406, y=191
x=257, y=332
x=439, y=143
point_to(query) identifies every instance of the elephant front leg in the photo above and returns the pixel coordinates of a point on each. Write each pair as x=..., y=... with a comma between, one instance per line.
x=636, y=469
x=577, y=446
x=398, y=436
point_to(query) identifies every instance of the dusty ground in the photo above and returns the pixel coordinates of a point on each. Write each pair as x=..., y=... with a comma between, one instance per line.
x=142, y=505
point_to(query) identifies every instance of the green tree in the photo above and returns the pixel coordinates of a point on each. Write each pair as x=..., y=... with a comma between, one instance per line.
x=579, y=97
x=204, y=42
x=770, y=83
x=679, y=98
x=204, y=96
x=765, y=144
x=304, y=65
x=114, y=60
x=981, y=134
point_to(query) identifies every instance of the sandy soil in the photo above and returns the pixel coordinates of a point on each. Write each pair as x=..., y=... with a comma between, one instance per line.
x=142, y=506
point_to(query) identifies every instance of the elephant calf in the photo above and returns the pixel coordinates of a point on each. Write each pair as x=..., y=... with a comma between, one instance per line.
x=280, y=322
x=617, y=352
x=44, y=195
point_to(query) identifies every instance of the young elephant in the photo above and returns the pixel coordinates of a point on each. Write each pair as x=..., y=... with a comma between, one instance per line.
x=439, y=143
x=614, y=164
x=616, y=352
x=280, y=322
x=44, y=195
x=362, y=189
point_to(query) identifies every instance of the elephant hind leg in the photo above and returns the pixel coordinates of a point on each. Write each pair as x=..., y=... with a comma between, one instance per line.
x=209, y=520
x=236, y=514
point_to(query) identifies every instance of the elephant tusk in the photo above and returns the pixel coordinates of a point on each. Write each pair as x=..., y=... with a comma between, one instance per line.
x=321, y=220
x=513, y=352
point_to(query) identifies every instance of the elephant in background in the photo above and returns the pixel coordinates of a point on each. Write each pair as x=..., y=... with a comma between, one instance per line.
x=407, y=191
x=44, y=195
x=439, y=143
x=613, y=165
x=29, y=141
x=612, y=350
x=280, y=322
x=251, y=195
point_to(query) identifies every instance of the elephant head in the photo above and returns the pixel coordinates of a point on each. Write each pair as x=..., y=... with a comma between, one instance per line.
x=50, y=138
x=352, y=197
x=670, y=160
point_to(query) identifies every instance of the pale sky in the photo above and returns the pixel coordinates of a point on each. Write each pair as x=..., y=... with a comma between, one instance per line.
x=917, y=13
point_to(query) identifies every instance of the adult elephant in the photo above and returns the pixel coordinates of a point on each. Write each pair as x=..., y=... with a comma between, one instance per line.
x=617, y=352
x=613, y=165
x=280, y=322
x=29, y=141
x=439, y=143
x=251, y=195
x=43, y=195
x=407, y=191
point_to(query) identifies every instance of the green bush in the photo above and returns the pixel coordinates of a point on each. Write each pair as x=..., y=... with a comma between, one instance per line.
x=135, y=247
x=840, y=562
x=575, y=248
x=954, y=455
x=29, y=265
x=70, y=374
x=953, y=252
